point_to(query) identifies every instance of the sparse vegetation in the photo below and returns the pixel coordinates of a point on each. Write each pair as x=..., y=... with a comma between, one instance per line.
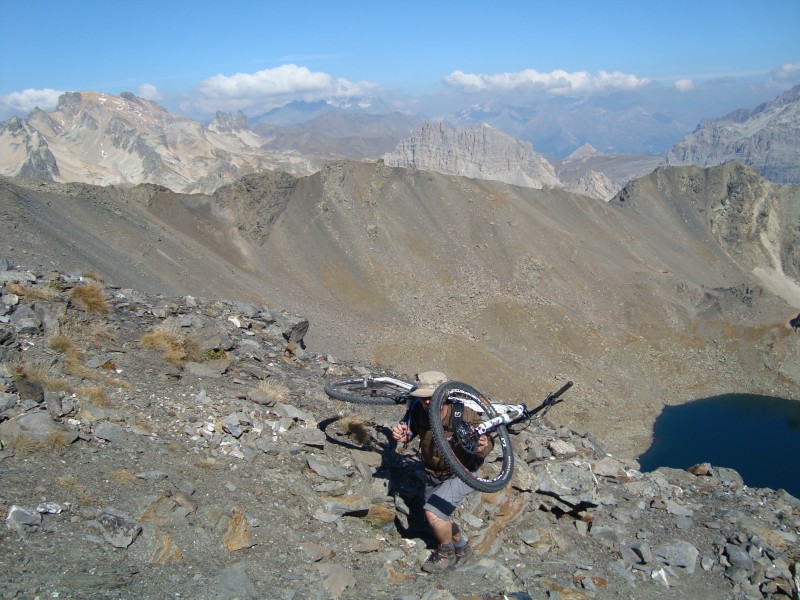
x=55, y=442
x=176, y=348
x=356, y=428
x=214, y=354
x=122, y=477
x=206, y=463
x=165, y=342
x=93, y=276
x=35, y=293
x=81, y=491
x=90, y=298
x=62, y=343
x=274, y=389
x=40, y=374
x=94, y=394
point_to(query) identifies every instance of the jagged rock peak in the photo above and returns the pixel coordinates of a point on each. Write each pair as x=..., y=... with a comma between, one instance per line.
x=592, y=184
x=226, y=122
x=766, y=138
x=104, y=139
x=481, y=152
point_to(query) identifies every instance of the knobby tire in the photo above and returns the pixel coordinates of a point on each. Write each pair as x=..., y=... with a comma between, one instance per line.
x=498, y=468
x=363, y=391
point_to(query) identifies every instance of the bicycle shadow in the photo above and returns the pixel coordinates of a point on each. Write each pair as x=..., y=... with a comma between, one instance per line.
x=401, y=469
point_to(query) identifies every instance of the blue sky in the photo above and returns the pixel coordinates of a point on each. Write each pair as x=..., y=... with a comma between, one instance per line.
x=198, y=57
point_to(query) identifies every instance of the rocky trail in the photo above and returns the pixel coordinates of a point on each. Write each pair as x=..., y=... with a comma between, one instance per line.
x=158, y=447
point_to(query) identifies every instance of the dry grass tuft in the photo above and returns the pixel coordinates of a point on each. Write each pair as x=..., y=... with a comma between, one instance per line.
x=39, y=374
x=176, y=349
x=39, y=293
x=192, y=351
x=167, y=343
x=94, y=394
x=96, y=334
x=92, y=276
x=122, y=477
x=357, y=429
x=23, y=445
x=274, y=389
x=90, y=298
x=54, y=443
x=82, y=492
x=143, y=424
x=62, y=343
x=206, y=463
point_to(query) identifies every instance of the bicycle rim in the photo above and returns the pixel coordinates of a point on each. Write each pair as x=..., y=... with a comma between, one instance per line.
x=364, y=390
x=498, y=467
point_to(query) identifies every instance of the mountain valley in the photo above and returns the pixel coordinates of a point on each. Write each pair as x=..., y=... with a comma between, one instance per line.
x=679, y=288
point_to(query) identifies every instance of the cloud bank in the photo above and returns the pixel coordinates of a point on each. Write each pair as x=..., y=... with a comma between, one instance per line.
x=25, y=101
x=149, y=92
x=557, y=82
x=269, y=88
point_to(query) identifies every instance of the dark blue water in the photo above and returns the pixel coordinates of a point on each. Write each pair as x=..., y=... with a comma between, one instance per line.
x=758, y=436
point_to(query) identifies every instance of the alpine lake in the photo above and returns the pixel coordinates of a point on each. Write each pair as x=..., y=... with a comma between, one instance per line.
x=758, y=436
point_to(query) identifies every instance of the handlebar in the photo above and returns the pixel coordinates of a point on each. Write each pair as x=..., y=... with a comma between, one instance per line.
x=549, y=402
x=563, y=389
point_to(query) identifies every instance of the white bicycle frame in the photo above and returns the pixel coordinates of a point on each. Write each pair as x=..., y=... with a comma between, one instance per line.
x=507, y=412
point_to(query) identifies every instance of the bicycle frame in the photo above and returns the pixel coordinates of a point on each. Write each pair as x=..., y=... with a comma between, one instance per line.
x=509, y=413
x=516, y=413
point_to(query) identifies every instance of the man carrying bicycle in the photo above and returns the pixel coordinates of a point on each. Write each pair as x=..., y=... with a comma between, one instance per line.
x=443, y=491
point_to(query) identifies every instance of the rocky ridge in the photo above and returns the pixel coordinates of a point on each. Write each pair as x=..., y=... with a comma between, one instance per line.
x=162, y=447
x=481, y=152
x=103, y=139
x=766, y=138
x=592, y=173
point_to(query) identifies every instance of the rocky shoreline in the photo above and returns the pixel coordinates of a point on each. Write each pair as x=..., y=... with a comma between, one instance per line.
x=179, y=447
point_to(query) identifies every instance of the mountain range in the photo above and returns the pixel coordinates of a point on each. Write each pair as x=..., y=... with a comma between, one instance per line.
x=767, y=137
x=101, y=139
x=681, y=287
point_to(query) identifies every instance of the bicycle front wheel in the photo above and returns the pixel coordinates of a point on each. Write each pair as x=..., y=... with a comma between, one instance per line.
x=458, y=448
x=365, y=389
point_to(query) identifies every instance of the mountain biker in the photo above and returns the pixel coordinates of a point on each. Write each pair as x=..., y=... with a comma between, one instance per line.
x=443, y=490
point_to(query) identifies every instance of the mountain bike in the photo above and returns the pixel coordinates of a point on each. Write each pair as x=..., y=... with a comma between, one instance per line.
x=449, y=399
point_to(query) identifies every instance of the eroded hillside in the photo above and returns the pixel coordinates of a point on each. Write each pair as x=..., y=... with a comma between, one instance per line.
x=643, y=302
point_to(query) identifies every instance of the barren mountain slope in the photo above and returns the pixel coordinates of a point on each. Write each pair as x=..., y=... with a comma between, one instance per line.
x=505, y=287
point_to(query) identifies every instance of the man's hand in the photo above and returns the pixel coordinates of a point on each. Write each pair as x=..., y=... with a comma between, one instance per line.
x=401, y=433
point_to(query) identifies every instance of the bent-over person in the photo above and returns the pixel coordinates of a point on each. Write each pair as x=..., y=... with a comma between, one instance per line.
x=443, y=490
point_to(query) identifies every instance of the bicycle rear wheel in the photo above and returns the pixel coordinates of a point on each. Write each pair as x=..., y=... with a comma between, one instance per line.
x=365, y=390
x=457, y=448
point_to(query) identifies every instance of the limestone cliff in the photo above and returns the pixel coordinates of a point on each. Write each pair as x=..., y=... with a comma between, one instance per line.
x=480, y=152
x=767, y=138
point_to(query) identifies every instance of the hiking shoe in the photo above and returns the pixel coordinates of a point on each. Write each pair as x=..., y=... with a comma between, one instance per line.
x=464, y=554
x=440, y=560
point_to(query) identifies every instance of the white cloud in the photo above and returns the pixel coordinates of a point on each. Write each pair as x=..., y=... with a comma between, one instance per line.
x=149, y=92
x=557, y=82
x=21, y=103
x=271, y=86
x=684, y=85
x=787, y=71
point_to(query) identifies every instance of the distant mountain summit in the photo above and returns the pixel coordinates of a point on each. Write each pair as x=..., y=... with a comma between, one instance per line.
x=766, y=138
x=480, y=152
x=110, y=140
